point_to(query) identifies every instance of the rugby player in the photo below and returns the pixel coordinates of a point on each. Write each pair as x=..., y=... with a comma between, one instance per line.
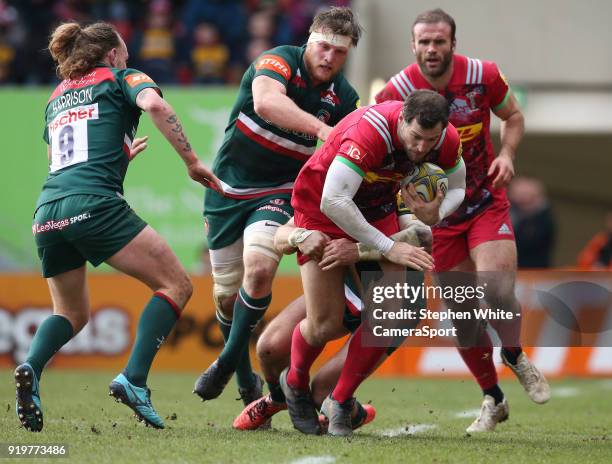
x=348, y=189
x=81, y=215
x=289, y=97
x=274, y=344
x=478, y=236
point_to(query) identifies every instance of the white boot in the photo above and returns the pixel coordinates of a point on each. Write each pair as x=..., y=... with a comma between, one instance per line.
x=490, y=415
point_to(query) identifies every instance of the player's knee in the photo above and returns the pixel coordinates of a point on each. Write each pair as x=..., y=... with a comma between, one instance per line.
x=267, y=350
x=226, y=282
x=182, y=290
x=499, y=292
x=258, y=276
x=324, y=332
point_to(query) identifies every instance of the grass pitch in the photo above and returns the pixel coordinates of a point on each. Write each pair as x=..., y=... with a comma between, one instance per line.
x=418, y=420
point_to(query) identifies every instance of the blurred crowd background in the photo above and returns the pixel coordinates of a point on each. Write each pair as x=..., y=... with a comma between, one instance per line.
x=176, y=42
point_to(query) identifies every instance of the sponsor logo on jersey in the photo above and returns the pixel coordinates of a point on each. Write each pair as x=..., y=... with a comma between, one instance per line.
x=72, y=116
x=355, y=153
x=461, y=107
x=59, y=224
x=324, y=115
x=278, y=201
x=467, y=133
x=328, y=96
x=504, y=230
x=274, y=209
x=274, y=63
x=298, y=81
x=97, y=76
x=136, y=79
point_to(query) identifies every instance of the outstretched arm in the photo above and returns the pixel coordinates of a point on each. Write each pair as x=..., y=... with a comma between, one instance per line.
x=166, y=120
x=272, y=104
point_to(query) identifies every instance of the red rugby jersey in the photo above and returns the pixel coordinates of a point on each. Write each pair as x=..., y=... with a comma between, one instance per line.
x=476, y=87
x=366, y=140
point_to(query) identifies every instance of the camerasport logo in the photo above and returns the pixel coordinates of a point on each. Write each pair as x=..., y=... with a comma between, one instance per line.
x=59, y=224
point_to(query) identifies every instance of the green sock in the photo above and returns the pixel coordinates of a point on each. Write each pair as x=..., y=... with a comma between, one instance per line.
x=247, y=313
x=53, y=333
x=244, y=372
x=156, y=322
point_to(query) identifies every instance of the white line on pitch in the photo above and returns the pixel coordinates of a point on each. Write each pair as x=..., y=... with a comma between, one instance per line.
x=410, y=430
x=314, y=460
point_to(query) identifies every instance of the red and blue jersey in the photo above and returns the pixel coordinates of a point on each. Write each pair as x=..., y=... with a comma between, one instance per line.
x=366, y=141
x=476, y=87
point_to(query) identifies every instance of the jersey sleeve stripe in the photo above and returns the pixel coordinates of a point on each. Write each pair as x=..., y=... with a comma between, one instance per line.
x=254, y=192
x=503, y=102
x=383, y=124
x=376, y=120
x=380, y=131
x=275, y=141
x=454, y=168
x=441, y=141
x=380, y=118
x=399, y=86
x=402, y=75
x=474, y=71
x=348, y=164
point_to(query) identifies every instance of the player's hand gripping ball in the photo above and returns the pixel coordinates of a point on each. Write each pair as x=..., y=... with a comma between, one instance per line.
x=427, y=179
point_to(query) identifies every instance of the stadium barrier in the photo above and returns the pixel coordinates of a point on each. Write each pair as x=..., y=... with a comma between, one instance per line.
x=116, y=303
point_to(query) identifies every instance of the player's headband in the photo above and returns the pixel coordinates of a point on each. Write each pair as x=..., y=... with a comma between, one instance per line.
x=333, y=39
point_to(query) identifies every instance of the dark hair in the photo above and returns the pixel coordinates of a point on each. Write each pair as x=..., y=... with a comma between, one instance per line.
x=339, y=20
x=77, y=49
x=428, y=107
x=436, y=16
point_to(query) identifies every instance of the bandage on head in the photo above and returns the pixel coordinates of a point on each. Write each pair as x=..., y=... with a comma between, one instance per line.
x=332, y=39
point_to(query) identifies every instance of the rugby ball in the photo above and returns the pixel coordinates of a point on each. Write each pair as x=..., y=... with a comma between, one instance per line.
x=427, y=179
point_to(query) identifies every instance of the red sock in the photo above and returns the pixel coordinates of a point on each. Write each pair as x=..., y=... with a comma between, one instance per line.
x=479, y=359
x=302, y=356
x=359, y=364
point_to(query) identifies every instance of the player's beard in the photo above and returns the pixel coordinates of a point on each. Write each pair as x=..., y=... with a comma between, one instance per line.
x=447, y=58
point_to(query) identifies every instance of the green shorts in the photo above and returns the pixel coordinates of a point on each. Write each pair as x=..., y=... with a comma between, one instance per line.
x=226, y=218
x=80, y=228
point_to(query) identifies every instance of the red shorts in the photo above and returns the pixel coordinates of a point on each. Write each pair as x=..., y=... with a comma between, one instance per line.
x=452, y=244
x=387, y=225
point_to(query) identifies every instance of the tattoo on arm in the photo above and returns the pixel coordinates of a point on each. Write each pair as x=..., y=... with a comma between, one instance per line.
x=178, y=129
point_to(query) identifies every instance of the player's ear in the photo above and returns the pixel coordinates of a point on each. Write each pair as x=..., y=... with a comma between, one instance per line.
x=413, y=46
x=453, y=45
x=112, y=56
